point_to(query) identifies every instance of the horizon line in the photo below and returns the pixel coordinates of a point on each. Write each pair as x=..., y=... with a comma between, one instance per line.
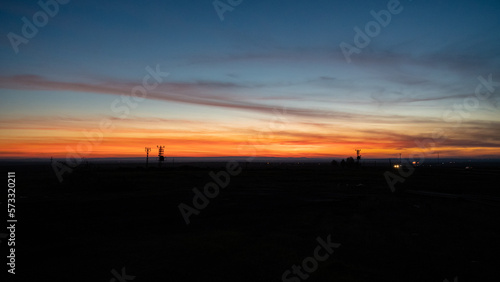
x=254, y=158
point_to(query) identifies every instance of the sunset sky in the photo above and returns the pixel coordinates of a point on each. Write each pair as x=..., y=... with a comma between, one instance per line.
x=269, y=79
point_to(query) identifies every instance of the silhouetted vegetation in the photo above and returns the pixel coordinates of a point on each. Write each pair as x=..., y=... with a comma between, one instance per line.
x=348, y=163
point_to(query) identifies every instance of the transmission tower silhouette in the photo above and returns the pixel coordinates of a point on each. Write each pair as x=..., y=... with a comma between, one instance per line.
x=161, y=157
x=358, y=156
x=147, y=149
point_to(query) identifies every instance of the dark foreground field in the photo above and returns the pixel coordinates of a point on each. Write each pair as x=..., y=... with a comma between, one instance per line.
x=104, y=218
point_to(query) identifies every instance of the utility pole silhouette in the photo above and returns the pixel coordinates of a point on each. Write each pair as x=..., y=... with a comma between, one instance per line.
x=161, y=158
x=358, y=156
x=147, y=149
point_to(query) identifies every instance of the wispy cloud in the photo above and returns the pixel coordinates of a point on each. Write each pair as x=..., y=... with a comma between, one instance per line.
x=212, y=94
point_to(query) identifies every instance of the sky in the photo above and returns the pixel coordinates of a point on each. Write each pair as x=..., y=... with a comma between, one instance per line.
x=249, y=78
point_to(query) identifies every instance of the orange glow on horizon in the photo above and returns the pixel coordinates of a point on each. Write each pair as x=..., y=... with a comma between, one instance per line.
x=34, y=139
x=119, y=147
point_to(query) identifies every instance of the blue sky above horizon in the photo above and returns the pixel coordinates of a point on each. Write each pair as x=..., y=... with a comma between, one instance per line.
x=225, y=77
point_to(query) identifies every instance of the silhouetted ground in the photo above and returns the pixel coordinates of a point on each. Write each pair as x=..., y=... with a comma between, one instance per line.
x=106, y=217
